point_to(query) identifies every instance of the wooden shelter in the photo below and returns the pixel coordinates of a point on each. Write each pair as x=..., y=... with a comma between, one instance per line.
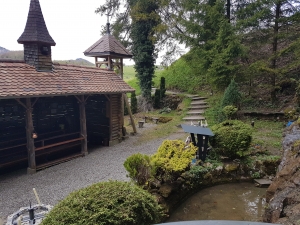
x=110, y=50
x=49, y=112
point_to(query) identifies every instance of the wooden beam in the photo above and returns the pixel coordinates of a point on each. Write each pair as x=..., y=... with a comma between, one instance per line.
x=110, y=119
x=21, y=103
x=36, y=99
x=121, y=68
x=107, y=97
x=109, y=62
x=130, y=113
x=78, y=98
x=83, y=130
x=30, y=141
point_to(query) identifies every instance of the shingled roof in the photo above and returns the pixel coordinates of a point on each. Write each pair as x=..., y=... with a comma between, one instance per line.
x=36, y=29
x=19, y=80
x=108, y=45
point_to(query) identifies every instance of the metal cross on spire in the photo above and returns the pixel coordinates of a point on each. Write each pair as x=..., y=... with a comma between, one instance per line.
x=107, y=24
x=108, y=15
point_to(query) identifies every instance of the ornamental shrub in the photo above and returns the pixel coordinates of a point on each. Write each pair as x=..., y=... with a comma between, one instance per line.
x=171, y=158
x=133, y=105
x=162, y=87
x=232, y=96
x=231, y=138
x=229, y=111
x=106, y=203
x=156, y=104
x=138, y=167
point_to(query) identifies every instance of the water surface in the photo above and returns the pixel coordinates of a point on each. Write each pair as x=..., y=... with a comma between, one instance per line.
x=238, y=201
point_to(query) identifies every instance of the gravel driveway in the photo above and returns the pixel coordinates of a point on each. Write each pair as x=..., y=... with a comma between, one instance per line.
x=55, y=183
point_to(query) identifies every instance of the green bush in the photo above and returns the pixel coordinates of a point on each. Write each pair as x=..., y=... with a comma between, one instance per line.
x=232, y=96
x=106, y=203
x=230, y=111
x=232, y=138
x=162, y=87
x=171, y=158
x=133, y=105
x=156, y=104
x=138, y=167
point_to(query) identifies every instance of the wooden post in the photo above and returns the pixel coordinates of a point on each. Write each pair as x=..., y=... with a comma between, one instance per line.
x=122, y=99
x=130, y=113
x=30, y=141
x=121, y=67
x=96, y=60
x=109, y=63
x=83, y=131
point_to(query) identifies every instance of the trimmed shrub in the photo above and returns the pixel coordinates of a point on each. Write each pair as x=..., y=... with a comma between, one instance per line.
x=133, y=105
x=125, y=109
x=232, y=96
x=171, y=158
x=138, y=167
x=232, y=138
x=156, y=104
x=229, y=111
x=162, y=87
x=106, y=203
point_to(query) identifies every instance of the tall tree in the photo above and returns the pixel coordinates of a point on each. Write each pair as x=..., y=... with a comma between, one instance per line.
x=205, y=29
x=272, y=22
x=137, y=26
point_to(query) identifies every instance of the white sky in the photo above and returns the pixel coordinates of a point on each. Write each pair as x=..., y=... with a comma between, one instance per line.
x=72, y=24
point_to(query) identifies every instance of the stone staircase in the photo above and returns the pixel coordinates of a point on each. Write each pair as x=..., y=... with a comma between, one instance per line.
x=196, y=109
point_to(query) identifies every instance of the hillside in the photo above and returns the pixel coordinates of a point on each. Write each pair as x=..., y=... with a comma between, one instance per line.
x=78, y=62
x=6, y=54
x=19, y=55
x=3, y=50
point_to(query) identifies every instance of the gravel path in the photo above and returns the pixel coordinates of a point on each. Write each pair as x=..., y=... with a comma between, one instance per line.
x=55, y=183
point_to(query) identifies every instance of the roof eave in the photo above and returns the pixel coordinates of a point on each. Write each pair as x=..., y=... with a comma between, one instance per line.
x=97, y=54
x=65, y=94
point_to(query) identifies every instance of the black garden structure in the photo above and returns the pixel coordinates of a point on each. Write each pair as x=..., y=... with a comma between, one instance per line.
x=199, y=137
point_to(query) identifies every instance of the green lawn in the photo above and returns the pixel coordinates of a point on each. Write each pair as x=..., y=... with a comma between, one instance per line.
x=130, y=78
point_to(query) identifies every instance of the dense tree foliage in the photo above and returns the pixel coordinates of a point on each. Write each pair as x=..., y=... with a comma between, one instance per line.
x=254, y=42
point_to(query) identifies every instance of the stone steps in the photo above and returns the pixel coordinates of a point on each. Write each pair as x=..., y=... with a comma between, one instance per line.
x=195, y=112
x=193, y=118
x=198, y=102
x=196, y=109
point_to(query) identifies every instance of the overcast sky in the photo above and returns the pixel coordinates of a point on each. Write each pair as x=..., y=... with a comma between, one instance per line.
x=73, y=25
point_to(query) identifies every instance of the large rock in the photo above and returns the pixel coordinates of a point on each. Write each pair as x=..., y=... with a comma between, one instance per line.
x=283, y=195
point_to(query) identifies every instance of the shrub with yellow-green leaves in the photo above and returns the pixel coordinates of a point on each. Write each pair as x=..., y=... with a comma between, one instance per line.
x=172, y=158
x=138, y=168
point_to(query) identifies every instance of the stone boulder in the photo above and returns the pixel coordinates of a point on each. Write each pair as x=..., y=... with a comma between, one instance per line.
x=283, y=195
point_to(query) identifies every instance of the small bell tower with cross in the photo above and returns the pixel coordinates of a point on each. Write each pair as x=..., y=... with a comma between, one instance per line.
x=109, y=52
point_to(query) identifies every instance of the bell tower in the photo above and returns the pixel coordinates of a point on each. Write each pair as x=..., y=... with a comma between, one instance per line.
x=37, y=40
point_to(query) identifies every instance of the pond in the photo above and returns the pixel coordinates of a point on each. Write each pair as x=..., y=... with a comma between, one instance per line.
x=238, y=201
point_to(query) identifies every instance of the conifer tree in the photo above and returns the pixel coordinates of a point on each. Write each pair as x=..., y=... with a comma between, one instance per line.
x=232, y=96
x=133, y=102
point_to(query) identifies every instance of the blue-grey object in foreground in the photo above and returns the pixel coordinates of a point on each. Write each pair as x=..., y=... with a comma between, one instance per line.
x=197, y=130
x=217, y=222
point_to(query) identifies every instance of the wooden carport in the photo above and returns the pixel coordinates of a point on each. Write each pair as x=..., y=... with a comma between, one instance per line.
x=53, y=108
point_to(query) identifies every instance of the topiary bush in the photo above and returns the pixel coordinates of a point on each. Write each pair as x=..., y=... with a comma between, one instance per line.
x=230, y=111
x=133, y=105
x=232, y=96
x=162, y=87
x=171, y=159
x=138, y=168
x=156, y=104
x=106, y=203
x=231, y=138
